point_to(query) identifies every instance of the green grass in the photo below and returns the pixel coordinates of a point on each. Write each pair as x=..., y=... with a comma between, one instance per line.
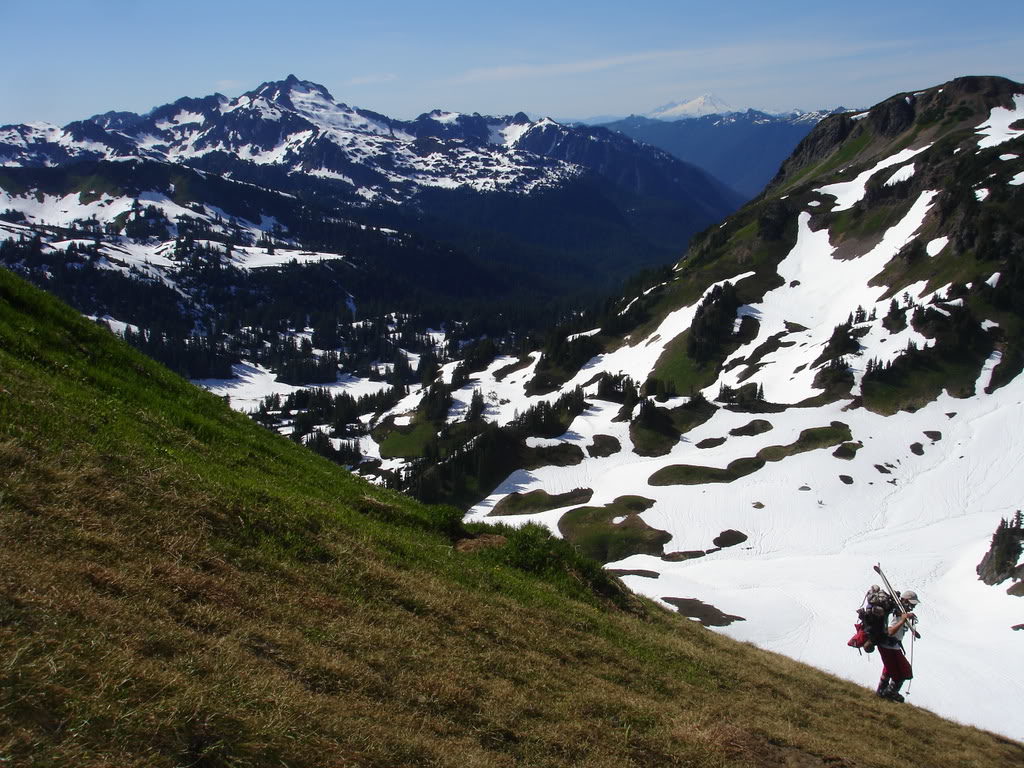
x=183, y=588
x=562, y=455
x=867, y=227
x=851, y=148
x=923, y=384
x=657, y=441
x=604, y=445
x=408, y=442
x=539, y=501
x=593, y=530
x=810, y=439
x=681, y=370
x=948, y=267
x=755, y=427
x=688, y=474
x=9, y=185
x=93, y=187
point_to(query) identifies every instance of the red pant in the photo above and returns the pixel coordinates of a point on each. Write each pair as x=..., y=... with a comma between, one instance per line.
x=895, y=664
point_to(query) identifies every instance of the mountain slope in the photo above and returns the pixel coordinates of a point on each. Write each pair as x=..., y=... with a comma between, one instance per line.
x=181, y=586
x=528, y=207
x=743, y=149
x=829, y=379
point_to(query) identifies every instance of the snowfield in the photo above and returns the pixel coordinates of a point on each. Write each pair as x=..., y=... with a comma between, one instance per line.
x=251, y=383
x=922, y=496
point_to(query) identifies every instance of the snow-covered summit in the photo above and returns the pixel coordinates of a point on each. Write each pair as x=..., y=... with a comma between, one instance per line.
x=297, y=126
x=708, y=104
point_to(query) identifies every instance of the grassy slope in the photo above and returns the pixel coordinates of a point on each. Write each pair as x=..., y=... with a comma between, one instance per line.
x=180, y=587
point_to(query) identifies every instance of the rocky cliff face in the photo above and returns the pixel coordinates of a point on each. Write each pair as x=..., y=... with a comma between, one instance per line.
x=1000, y=563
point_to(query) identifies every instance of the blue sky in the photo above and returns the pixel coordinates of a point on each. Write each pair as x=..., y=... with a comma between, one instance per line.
x=66, y=60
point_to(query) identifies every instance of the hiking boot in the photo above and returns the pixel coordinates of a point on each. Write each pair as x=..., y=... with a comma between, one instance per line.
x=883, y=686
x=892, y=692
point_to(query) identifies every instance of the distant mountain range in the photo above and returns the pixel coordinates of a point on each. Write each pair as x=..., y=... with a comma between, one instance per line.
x=743, y=149
x=531, y=196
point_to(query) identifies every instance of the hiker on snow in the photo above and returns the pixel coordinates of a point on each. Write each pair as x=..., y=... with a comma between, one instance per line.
x=895, y=667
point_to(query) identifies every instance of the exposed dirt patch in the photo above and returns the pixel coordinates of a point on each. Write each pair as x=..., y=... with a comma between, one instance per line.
x=678, y=557
x=753, y=363
x=755, y=427
x=847, y=450
x=729, y=538
x=758, y=505
x=564, y=455
x=846, y=479
x=917, y=448
x=711, y=442
x=759, y=751
x=483, y=541
x=706, y=614
x=604, y=445
x=933, y=434
x=639, y=572
x=882, y=469
x=504, y=371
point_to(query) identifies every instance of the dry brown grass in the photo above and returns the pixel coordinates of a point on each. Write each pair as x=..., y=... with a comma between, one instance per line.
x=180, y=588
x=130, y=639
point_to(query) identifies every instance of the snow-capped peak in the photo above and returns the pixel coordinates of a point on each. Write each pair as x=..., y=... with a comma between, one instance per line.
x=708, y=104
x=443, y=117
x=282, y=91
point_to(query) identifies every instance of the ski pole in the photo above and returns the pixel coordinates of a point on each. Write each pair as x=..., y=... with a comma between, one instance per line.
x=909, y=684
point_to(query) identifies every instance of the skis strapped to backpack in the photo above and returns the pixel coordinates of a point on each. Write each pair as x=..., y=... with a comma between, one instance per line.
x=896, y=600
x=872, y=624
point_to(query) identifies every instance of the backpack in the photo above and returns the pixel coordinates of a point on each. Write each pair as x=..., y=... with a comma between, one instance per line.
x=873, y=615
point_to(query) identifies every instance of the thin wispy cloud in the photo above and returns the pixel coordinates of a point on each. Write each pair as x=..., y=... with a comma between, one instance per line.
x=374, y=79
x=229, y=85
x=775, y=53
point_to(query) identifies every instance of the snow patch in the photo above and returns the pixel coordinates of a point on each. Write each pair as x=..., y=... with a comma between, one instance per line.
x=935, y=246
x=849, y=193
x=901, y=174
x=996, y=130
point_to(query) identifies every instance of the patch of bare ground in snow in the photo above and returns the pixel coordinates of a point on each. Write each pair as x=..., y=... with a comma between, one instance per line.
x=708, y=615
